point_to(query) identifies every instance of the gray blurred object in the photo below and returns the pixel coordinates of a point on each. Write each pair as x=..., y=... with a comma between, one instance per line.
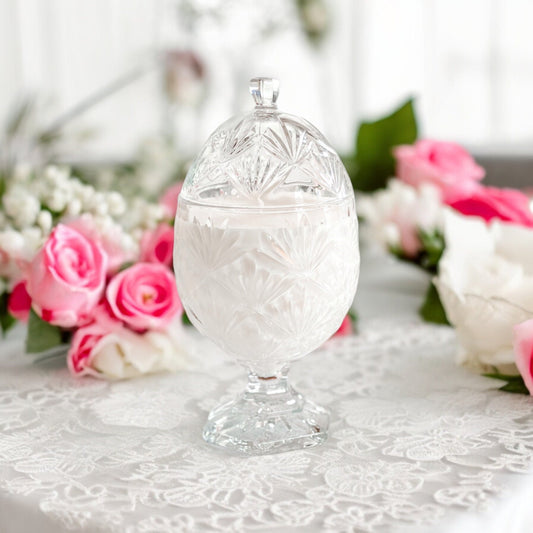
x=507, y=170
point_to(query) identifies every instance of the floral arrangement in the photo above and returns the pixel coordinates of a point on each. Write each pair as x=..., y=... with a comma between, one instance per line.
x=476, y=240
x=91, y=271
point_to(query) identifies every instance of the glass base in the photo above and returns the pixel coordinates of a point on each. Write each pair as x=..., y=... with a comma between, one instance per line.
x=270, y=417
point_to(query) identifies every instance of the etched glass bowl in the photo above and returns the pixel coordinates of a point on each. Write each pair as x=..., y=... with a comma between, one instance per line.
x=267, y=264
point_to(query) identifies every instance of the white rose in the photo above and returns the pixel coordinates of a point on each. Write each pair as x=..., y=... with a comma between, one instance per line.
x=126, y=354
x=485, y=283
x=394, y=216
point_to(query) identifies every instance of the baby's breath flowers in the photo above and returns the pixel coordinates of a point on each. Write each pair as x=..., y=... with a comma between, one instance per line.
x=64, y=245
x=35, y=201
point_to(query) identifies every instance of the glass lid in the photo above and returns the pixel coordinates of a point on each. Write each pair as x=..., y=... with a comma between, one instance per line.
x=266, y=158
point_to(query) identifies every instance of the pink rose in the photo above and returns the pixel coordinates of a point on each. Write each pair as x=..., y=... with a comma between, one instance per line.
x=157, y=246
x=169, y=200
x=81, y=348
x=446, y=165
x=86, y=338
x=508, y=205
x=523, y=351
x=144, y=296
x=110, y=242
x=66, y=278
x=19, y=303
x=345, y=328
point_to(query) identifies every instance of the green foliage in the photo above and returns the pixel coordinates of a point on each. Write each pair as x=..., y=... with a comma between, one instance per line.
x=185, y=319
x=432, y=249
x=7, y=321
x=432, y=309
x=428, y=258
x=353, y=317
x=373, y=163
x=41, y=335
x=126, y=265
x=3, y=185
x=515, y=384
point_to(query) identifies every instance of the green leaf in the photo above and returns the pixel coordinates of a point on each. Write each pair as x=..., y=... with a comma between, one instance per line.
x=7, y=321
x=514, y=383
x=517, y=387
x=185, y=319
x=432, y=310
x=41, y=335
x=433, y=247
x=504, y=377
x=373, y=163
x=126, y=265
x=3, y=185
x=429, y=256
x=354, y=318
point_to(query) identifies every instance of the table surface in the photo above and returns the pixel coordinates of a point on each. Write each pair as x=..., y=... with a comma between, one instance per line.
x=416, y=443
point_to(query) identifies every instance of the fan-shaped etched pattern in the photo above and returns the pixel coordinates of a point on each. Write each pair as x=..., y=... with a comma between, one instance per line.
x=269, y=287
x=263, y=155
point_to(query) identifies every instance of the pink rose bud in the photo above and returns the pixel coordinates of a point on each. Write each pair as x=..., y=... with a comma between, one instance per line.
x=345, y=328
x=86, y=338
x=523, y=351
x=19, y=303
x=157, y=246
x=66, y=278
x=81, y=348
x=445, y=165
x=490, y=203
x=144, y=296
x=169, y=200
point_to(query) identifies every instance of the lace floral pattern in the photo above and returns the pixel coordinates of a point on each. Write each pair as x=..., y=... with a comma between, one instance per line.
x=414, y=441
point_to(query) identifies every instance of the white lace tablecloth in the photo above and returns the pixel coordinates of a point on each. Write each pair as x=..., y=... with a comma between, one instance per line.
x=416, y=443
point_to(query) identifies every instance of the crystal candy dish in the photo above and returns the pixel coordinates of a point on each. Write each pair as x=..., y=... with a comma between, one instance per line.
x=267, y=264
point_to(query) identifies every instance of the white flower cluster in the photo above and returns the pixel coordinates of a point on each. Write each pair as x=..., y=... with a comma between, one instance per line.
x=393, y=216
x=36, y=201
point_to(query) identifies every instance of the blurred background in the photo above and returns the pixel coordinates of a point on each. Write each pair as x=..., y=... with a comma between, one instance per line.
x=113, y=73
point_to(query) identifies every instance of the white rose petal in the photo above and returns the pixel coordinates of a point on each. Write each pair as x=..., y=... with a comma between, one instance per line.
x=109, y=356
x=128, y=354
x=485, y=283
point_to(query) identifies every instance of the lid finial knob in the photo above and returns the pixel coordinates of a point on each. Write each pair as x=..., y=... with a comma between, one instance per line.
x=265, y=91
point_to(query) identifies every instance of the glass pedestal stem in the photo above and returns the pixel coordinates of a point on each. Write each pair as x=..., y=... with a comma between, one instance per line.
x=269, y=417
